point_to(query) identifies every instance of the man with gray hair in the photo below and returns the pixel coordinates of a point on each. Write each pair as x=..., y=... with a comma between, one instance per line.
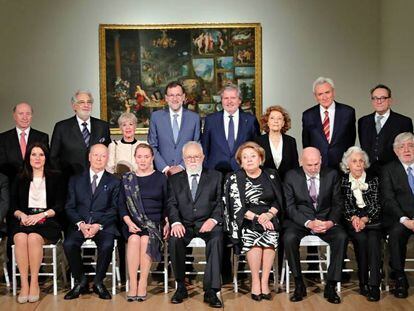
x=397, y=187
x=328, y=126
x=195, y=210
x=73, y=137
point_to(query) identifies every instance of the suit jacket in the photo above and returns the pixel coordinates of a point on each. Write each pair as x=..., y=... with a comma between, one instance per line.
x=299, y=206
x=343, y=136
x=68, y=151
x=207, y=204
x=161, y=139
x=289, y=154
x=371, y=198
x=397, y=197
x=218, y=155
x=55, y=197
x=4, y=201
x=379, y=147
x=100, y=207
x=11, y=159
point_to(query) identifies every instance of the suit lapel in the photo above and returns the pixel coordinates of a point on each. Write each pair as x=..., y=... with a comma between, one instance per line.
x=222, y=133
x=167, y=120
x=337, y=122
x=201, y=184
x=304, y=186
x=322, y=187
x=15, y=145
x=388, y=125
x=241, y=131
x=183, y=123
x=101, y=186
x=317, y=116
x=76, y=131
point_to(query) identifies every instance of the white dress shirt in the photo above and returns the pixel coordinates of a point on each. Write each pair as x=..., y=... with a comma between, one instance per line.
x=404, y=218
x=179, y=117
x=99, y=174
x=384, y=119
x=80, y=122
x=26, y=131
x=276, y=151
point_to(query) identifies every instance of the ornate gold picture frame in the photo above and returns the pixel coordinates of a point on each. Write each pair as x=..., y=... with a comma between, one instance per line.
x=137, y=62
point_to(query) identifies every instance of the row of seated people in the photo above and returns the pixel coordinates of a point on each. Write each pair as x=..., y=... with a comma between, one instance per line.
x=257, y=213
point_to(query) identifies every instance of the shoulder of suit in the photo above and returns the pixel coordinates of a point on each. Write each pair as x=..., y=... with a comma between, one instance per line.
x=191, y=113
x=311, y=109
x=211, y=172
x=37, y=132
x=98, y=121
x=288, y=138
x=71, y=120
x=400, y=116
x=344, y=107
x=8, y=132
x=366, y=117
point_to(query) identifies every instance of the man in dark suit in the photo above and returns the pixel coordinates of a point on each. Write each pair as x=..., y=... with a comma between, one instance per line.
x=314, y=206
x=328, y=126
x=377, y=130
x=170, y=129
x=226, y=130
x=72, y=138
x=195, y=210
x=397, y=187
x=91, y=208
x=13, y=142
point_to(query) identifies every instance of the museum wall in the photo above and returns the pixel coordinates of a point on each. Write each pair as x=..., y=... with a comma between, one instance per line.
x=50, y=48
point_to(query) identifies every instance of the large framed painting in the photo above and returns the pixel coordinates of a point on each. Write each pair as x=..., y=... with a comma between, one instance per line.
x=138, y=61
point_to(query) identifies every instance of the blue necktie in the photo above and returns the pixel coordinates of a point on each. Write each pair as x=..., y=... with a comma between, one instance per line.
x=175, y=128
x=410, y=178
x=230, y=137
x=85, y=133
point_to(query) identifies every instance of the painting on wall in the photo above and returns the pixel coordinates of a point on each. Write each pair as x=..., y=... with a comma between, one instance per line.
x=138, y=61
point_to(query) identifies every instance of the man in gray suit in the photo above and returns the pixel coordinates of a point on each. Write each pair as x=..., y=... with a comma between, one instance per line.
x=170, y=129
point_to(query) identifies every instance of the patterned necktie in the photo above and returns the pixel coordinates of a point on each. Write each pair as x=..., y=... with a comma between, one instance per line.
x=312, y=191
x=194, y=185
x=325, y=126
x=85, y=133
x=378, y=123
x=230, y=137
x=410, y=178
x=93, y=184
x=175, y=128
x=23, y=143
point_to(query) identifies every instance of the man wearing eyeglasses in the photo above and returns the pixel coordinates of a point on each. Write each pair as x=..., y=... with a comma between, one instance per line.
x=72, y=138
x=377, y=130
x=195, y=210
x=170, y=129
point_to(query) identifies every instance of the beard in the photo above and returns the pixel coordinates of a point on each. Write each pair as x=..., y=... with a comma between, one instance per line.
x=194, y=170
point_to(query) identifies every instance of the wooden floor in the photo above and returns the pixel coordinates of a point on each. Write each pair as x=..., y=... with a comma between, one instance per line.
x=158, y=301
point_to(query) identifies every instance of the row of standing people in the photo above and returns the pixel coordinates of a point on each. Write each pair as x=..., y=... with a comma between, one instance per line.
x=221, y=136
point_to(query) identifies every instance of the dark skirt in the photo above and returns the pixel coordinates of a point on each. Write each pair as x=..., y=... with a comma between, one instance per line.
x=50, y=230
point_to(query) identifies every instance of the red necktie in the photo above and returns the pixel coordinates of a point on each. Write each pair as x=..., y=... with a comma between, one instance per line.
x=23, y=143
x=325, y=125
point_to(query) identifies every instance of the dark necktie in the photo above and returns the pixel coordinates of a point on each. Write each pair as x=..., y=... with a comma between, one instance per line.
x=312, y=191
x=85, y=133
x=410, y=178
x=93, y=184
x=194, y=185
x=230, y=136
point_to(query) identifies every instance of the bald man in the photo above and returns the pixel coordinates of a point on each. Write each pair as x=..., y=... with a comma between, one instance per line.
x=91, y=208
x=314, y=207
x=13, y=142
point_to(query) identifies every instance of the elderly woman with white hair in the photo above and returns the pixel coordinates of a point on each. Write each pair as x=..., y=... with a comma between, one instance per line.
x=363, y=219
x=121, y=152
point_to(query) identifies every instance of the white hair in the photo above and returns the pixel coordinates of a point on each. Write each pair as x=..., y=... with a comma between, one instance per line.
x=192, y=143
x=351, y=150
x=402, y=137
x=74, y=98
x=322, y=80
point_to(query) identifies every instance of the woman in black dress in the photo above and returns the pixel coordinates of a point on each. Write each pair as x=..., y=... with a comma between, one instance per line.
x=253, y=209
x=37, y=197
x=363, y=219
x=141, y=202
x=281, y=151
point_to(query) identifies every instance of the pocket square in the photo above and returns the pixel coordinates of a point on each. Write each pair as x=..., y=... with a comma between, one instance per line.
x=102, y=140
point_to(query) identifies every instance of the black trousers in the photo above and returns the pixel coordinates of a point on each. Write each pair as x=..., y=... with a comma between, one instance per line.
x=72, y=246
x=367, y=246
x=397, y=241
x=337, y=239
x=214, y=252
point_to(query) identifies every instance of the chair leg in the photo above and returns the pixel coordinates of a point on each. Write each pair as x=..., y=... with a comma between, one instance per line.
x=114, y=271
x=275, y=275
x=14, y=271
x=287, y=276
x=6, y=274
x=54, y=266
x=235, y=272
x=320, y=263
x=165, y=269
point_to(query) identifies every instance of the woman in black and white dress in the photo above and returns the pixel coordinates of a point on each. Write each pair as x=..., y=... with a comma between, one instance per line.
x=253, y=210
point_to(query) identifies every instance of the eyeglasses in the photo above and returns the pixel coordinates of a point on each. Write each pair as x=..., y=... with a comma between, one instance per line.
x=197, y=158
x=380, y=99
x=82, y=102
x=175, y=95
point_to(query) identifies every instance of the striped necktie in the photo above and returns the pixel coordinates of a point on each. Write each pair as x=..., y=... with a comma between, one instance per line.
x=326, y=127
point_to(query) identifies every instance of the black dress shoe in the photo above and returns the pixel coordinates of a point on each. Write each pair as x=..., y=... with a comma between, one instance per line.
x=374, y=293
x=267, y=296
x=401, y=287
x=179, y=295
x=76, y=291
x=102, y=292
x=299, y=293
x=256, y=297
x=211, y=298
x=331, y=295
x=364, y=289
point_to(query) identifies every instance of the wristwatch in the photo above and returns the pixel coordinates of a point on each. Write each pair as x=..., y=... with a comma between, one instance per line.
x=100, y=227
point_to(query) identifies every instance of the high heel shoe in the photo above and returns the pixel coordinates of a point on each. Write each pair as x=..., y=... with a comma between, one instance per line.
x=267, y=296
x=33, y=298
x=256, y=297
x=142, y=298
x=131, y=298
x=22, y=299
